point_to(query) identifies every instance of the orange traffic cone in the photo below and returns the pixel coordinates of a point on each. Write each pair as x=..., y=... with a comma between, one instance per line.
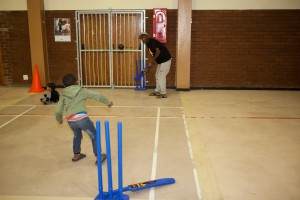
x=36, y=81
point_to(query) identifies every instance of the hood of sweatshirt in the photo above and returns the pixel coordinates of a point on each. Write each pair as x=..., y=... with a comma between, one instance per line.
x=72, y=91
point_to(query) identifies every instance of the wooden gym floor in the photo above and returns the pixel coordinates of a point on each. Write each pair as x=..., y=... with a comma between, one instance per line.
x=217, y=144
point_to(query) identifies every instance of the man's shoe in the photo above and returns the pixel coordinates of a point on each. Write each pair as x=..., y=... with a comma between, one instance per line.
x=162, y=96
x=154, y=94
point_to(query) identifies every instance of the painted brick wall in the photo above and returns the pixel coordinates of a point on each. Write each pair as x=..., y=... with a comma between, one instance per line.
x=61, y=55
x=230, y=49
x=15, y=46
x=171, y=45
x=248, y=48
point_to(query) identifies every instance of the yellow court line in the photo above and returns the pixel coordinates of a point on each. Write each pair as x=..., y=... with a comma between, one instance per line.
x=206, y=175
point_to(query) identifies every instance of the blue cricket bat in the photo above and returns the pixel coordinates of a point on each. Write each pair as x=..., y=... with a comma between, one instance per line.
x=141, y=74
x=149, y=184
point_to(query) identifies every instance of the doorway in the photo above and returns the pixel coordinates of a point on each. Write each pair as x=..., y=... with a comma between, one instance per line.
x=109, y=52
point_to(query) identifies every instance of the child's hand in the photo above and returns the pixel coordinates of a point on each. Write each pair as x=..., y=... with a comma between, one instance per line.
x=110, y=104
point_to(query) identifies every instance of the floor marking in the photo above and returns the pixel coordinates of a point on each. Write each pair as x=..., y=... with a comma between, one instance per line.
x=154, y=161
x=199, y=193
x=241, y=117
x=7, y=197
x=108, y=116
x=17, y=117
x=138, y=106
x=104, y=106
x=166, y=117
x=18, y=105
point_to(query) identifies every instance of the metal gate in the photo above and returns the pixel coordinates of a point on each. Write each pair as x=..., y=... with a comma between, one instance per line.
x=108, y=49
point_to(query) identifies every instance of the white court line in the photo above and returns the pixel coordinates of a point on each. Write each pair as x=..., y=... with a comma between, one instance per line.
x=199, y=193
x=154, y=161
x=18, y=105
x=103, y=106
x=93, y=116
x=17, y=116
x=114, y=106
x=6, y=197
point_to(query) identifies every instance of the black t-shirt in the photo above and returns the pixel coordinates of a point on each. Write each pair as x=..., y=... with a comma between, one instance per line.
x=164, y=52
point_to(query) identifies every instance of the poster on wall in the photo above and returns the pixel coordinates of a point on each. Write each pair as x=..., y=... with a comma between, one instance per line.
x=62, y=29
x=160, y=24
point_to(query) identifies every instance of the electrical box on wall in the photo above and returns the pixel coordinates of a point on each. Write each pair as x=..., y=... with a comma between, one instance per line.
x=160, y=24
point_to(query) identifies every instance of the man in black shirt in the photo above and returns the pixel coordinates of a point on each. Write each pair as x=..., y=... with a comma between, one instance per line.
x=160, y=57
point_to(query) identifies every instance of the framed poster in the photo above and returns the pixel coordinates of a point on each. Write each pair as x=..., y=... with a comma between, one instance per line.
x=62, y=30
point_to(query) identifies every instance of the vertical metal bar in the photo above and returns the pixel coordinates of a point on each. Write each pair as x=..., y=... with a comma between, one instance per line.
x=132, y=54
x=125, y=68
x=89, y=52
x=104, y=31
x=134, y=48
x=117, y=32
x=143, y=49
x=129, y=52
x=123, y=53
x=93, y=52
x=111, y=50
x=101, y=48
x=121, y=56
x=139, y=43
x=85, y=47
x=78, y=39
x=97, y=52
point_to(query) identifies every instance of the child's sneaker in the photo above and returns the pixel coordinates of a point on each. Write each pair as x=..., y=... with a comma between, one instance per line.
x=78, y=156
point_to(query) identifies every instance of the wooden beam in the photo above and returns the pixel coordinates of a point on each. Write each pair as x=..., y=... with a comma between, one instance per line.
x=37, y=36
x=183, y=54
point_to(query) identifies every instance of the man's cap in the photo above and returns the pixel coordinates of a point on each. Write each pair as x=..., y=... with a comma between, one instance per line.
x=143, y=33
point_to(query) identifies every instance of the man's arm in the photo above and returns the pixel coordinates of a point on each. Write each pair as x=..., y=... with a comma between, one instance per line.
x=153, y=61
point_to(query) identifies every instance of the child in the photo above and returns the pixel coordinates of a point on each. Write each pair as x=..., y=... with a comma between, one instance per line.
x=52, y=96
x=74, y=99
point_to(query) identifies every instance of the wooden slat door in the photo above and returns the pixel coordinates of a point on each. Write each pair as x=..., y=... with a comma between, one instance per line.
x=108, y=47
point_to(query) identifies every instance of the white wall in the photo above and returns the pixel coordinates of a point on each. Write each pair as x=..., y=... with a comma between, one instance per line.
x=13, y=5
x=150, y=4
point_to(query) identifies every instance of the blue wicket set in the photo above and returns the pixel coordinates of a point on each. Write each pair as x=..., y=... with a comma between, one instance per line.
x=118, y=193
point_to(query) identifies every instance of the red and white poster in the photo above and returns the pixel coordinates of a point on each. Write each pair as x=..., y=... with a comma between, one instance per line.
x=160, y=24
